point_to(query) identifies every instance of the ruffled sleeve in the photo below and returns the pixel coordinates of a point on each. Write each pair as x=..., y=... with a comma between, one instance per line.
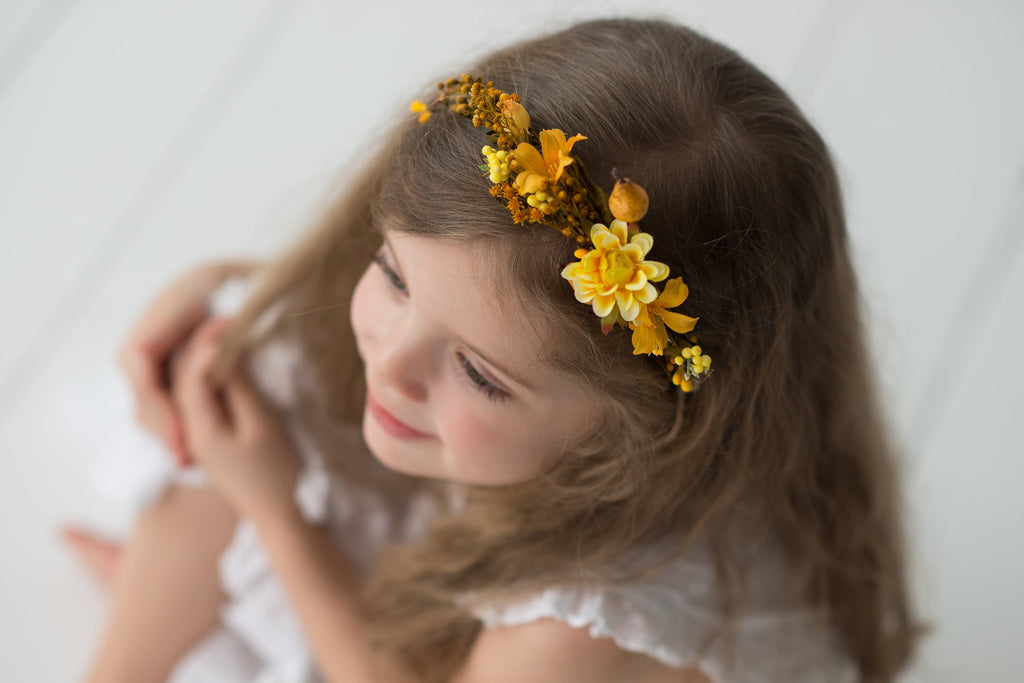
x=670, y=616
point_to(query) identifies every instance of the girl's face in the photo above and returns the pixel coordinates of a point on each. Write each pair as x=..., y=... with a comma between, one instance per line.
x=455, y=388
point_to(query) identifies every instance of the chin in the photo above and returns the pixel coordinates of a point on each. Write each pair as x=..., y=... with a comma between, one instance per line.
x=388, y=453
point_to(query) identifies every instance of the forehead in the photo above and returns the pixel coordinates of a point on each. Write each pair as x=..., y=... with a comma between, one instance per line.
x=455, y=285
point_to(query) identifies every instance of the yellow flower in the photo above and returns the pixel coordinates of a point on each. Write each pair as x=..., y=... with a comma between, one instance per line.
x=649, y=335
x=540, y=167
x=614, y=273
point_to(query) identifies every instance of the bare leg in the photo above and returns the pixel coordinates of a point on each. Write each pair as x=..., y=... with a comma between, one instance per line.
x=167, y=592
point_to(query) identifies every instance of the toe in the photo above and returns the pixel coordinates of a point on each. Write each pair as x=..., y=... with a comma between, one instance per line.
x=102, y=557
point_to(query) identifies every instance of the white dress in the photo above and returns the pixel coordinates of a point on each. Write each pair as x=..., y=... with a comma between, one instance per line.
x=260, y=639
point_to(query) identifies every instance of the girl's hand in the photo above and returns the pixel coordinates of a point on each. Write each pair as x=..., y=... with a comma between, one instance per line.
x=146, y=353
x=231, y=433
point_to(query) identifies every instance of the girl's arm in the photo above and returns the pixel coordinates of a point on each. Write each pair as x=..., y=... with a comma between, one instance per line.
x=248, y=457
x=321, y=586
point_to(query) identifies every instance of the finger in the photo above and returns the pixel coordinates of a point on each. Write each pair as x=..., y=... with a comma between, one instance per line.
x=247, y=407
x=203, y=413
x=171, y=326
x=153, y=406
x=180, y=446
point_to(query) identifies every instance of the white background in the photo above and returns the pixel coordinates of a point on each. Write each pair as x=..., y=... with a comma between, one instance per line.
x=138, y=138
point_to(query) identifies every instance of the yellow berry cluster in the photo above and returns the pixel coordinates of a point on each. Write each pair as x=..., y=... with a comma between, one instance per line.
x=540, y=200
x=692, y=363
x=699, y=363
x=497, y=163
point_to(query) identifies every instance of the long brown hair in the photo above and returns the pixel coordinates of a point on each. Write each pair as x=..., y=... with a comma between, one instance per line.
x=786, y=440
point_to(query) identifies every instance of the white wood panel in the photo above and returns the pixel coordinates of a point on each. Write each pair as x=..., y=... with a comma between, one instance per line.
x=22, y=24
x=921, y=108
x=969, y=519
x=89, y=126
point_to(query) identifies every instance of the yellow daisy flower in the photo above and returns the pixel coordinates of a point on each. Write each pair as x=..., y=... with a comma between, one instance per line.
x=614, y=273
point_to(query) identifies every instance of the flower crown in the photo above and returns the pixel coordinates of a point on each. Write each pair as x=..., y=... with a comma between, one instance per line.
x=551, y=186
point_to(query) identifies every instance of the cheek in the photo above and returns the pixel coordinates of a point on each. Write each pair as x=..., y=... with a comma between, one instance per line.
x=465, y=433
x=492, y=451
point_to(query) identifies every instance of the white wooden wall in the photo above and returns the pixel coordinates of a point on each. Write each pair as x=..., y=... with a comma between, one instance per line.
x=137, y=138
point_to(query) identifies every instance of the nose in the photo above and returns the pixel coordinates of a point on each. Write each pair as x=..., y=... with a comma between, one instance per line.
x=400, y=364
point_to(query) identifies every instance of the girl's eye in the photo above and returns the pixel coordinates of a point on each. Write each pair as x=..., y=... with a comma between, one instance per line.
x=479, y=381
x=389, y=272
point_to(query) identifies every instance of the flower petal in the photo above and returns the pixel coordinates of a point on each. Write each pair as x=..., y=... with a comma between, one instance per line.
x=642, y=240
x=529, y=158
x=677, y=321
x=552, y=143
x=528, y=182
x=650, y=338
x=603, y=305
x=620, y=230
x=567, y=147
x=607, y=241
x=638, y=282
x=656, y=270
x=648, y=294
x=629, y=307
x=644, y=340
x=675, y=292
x=634, y=252
x=584, y=294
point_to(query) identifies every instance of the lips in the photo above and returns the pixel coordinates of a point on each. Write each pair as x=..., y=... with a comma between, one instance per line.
x=391, y=424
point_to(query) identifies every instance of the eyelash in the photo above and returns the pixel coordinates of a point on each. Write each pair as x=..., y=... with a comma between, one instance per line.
x=492, y=392
x=389, y=273
x=478, y=381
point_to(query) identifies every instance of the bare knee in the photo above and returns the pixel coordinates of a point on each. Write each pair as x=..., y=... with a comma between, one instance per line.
x=195, y=511
x=189, y=524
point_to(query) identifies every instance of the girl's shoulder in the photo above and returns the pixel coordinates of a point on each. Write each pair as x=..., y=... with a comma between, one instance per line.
x=673, y=617
x=548, y=650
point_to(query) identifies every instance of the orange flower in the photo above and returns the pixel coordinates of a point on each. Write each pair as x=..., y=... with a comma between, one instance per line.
x=649, y=335
x=546, y=165
x=516, y=117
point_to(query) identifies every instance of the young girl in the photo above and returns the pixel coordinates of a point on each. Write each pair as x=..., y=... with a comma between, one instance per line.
x=478, y=435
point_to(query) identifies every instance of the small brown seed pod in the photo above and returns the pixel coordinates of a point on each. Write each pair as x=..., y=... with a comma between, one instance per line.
x=628, y=201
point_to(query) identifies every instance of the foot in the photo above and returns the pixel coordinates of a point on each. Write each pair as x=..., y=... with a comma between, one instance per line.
x=102, y=557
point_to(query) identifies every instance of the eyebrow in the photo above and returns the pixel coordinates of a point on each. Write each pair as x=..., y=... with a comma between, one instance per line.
x=511, y=375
